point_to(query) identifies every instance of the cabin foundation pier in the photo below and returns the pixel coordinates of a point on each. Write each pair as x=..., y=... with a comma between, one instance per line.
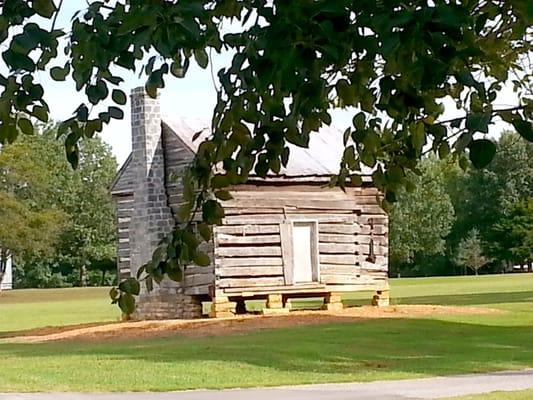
x=381, y=298
x=333, y=302
x=274, y=305
x=221, y=307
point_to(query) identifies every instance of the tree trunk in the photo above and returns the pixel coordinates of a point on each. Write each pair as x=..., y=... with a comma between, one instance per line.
x=83, y=271
x=102, y=282
x=530, y=266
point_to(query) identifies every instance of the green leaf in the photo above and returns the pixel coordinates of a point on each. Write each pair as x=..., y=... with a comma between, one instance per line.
x=201, y=259
x=418, y=135
x=444, y=150
x=175, y=273
x=524, y=128
x=114, y=293
x=478, y=122
x=212, y=212
x=59, y=74
x=482, y=152
x=130, y=286
x=200, y=55
x=115, y=112
x=126, y=302
x=223, y=195
x=205, y=231
x=45, y=8
x=119, y=97
x=25, y=126
x=41, y=113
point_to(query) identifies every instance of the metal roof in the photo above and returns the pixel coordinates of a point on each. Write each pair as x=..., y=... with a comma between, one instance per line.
x=321, y=159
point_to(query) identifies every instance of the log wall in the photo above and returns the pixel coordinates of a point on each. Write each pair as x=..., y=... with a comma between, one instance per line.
x=250, y=254
x=124, y=204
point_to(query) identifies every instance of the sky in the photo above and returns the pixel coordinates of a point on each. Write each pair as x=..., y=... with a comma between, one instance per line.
x=191, y=97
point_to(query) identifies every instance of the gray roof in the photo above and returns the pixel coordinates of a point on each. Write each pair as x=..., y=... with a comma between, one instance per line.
x=314, y=164
x=321, y=159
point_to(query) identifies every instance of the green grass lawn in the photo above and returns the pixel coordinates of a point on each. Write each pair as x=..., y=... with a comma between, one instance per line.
x=519, y=395
x=355, y=351
x=36, y=308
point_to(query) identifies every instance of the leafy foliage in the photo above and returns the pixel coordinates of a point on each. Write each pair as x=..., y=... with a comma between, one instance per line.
x=392, y=63
x=55, y=218
x=422, y=219
x=470, y=252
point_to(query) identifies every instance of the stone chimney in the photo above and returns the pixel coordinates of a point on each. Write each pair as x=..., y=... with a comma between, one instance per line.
x=152, y=218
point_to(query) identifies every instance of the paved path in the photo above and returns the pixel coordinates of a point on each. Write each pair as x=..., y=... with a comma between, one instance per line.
x=412, y=389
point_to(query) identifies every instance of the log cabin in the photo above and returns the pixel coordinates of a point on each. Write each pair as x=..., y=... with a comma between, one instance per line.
x=286, y=236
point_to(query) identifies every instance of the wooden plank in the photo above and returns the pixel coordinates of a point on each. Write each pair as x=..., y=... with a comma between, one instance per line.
x=337, y=238
x=301, y=202
x=248, y=262
x=287, y=252
x=248, y=251
x=198, y=279
x=298, y=189
x=340, y=228
x=378, y=240
x=268, y=219
x=381, y=265
x=197, y=290
x=194, y=270
x=339, y=248
x=224, y=239
x=300, y=288
x=248, y=229
x=228, y=211
x=341, y=279
x=250, y=282
x=350, y=280
x=371, y=209
x=257, y=270
x=333, y=269
x=343, y=259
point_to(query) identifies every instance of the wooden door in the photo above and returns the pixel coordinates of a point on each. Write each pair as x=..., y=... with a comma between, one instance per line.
x=304, y=249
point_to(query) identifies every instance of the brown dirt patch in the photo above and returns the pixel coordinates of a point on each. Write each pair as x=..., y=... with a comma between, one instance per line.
x=224, y=326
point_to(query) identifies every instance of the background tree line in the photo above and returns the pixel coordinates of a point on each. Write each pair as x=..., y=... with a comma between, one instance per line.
x=57, y=223
x=457, y=222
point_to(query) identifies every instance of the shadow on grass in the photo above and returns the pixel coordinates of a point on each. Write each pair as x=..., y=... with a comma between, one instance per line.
x=365, y=348
x=470, y=299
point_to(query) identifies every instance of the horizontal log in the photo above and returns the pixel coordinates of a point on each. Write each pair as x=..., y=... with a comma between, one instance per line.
x=339, y=228
x=198, y=279
x=302, y=202
x=248, y=229
x=339, y=248
x=248, y=251
x=342, y=259
x=378, y=240
x=197, y=290
x=380, y=264
x=195, y=270
x=249, y=282
x=370, y=209
x=337, y=238
x=374, y=220
x=247, y=262
x=224, y=239
x=298, y=189
x=331, y=269
x=264, y=219
x=228, y=211
x=258, y=270
x=314, y=287
x=347, y=279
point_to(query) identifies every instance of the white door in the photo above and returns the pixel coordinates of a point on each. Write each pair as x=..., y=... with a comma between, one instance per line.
x=302, y=236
